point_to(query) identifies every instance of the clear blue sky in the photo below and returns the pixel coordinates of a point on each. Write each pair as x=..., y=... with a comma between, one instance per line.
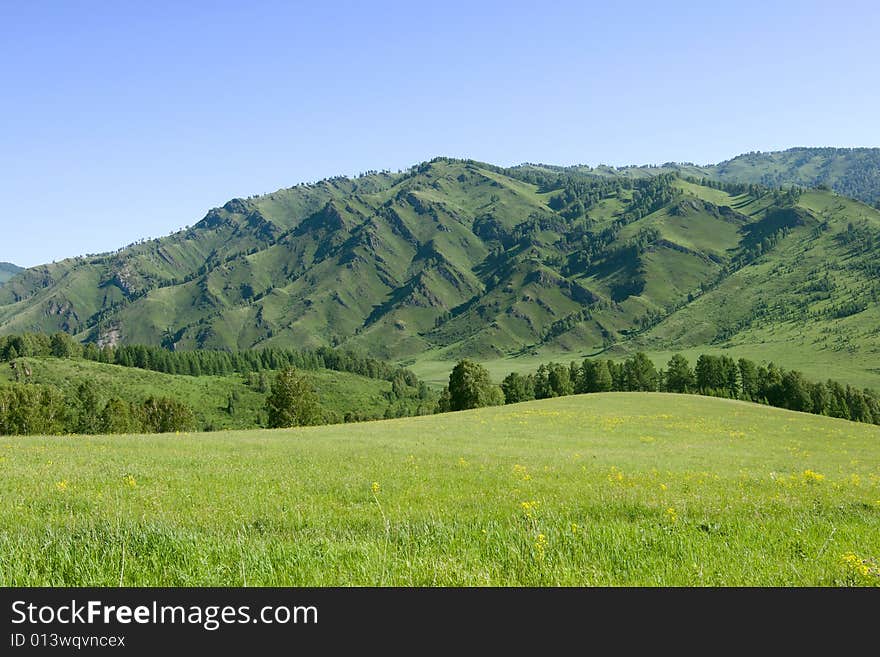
x=121, y=120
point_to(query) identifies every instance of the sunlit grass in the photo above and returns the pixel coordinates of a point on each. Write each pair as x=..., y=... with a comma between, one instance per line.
x=612, y=489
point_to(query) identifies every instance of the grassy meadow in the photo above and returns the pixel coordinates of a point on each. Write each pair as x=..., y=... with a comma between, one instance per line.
x=604, y=489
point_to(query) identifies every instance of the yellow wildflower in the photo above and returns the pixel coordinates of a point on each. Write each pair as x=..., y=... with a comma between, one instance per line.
x=529, y=508
x=856, y=564
x=521, y=471
x=375, y=487
x=61, y=485
x=540, y=546
x=671, y=515
x=812, y=477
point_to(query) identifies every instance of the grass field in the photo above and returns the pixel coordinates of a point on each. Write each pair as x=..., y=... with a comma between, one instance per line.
x=611, y=489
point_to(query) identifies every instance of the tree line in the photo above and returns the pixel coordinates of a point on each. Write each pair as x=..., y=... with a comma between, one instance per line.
x=201, y=362
x=717, y=376
x=46, y=410
x=28, y=409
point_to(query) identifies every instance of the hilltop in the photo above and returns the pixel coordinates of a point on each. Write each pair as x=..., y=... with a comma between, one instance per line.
x=852, y=172
x=638, y=489
x=460, y=258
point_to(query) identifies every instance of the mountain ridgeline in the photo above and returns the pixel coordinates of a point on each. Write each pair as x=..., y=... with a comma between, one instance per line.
x=460, y=258
x=852, y=172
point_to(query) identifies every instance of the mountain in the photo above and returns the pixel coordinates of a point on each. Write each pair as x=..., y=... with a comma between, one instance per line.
x=852, y=172
x=7, y=271
x=459, y=258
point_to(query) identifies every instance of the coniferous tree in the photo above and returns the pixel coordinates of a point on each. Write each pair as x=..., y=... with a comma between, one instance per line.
x=618, y=378
x=603, y=381
x=63, y=346
x=819, y=398
x=559, y=381
x=796, y=392
x=542, y=383
x=748, y=376
x=679, y=375
x=640, y=374
x=770, y=385
x=88, y=408
x=837, y=404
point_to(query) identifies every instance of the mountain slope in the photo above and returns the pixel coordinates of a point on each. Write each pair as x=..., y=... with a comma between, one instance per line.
x=811, y=302
x=7, y=271
x=459, y=258
x=852, y=172
x=455, y=255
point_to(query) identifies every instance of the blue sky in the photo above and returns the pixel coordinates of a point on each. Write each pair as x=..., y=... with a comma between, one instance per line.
x=122, y=120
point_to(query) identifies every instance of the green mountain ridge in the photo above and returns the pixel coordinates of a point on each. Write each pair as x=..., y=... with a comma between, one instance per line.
x=8, y=270
x=458, y=258
x=853, y=172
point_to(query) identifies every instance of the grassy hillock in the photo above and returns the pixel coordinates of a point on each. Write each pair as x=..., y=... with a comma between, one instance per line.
x=209, y=397
x=605, y=489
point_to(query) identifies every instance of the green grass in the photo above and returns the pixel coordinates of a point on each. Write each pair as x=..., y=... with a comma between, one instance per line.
x=611, y=489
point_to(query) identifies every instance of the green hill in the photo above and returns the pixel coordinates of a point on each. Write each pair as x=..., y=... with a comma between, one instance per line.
x=340, y=393
x=7, y=271
x=460, y=258
x=852, y=172
x=604, y=489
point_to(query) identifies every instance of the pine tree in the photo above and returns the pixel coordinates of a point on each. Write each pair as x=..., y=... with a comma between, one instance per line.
x=679, y=375
x=640, y=374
